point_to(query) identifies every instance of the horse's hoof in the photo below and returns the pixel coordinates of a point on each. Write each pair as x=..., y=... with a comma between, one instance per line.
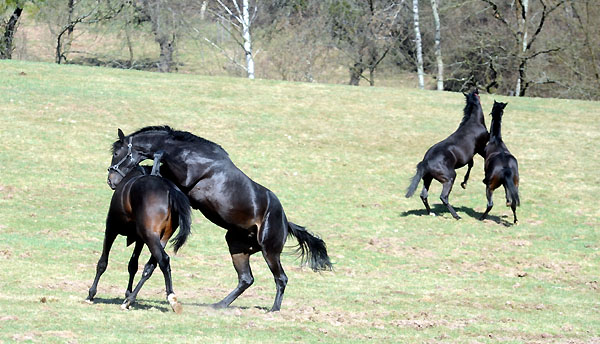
x=176, y=306
x=89, y=301
x=218, y=305
x=516, y=223
x=432, y=214
x=126, y=305
x=463, y=185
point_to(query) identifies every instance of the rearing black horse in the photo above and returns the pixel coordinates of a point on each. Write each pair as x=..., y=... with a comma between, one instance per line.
x=454, y=152
x=252, y=214
x=501, y=167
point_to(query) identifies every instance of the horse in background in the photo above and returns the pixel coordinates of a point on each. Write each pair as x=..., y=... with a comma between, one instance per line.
x=252, y=215
x=147, y=209
x=454, y=152
x=501, y=167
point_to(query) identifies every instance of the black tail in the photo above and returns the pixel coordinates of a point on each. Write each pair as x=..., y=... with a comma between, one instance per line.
x=513, y=192
x=312, y=249
x=415, y=180
x=181, y=204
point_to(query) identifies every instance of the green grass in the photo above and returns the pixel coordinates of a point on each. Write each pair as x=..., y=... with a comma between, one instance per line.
x=340, y=159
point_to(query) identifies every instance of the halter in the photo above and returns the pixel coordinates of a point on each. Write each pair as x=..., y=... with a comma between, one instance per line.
x=129, y=155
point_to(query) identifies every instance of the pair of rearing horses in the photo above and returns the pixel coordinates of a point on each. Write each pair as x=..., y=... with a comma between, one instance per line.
x=202, y=170
x=458, y=150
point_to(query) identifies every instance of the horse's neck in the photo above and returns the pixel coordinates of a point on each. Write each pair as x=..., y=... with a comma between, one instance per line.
x=496, y=130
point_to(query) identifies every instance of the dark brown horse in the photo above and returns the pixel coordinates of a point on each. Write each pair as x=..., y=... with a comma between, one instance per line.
x=454, y=152
x=501, y=167
x=251, y=214
x=147, y=209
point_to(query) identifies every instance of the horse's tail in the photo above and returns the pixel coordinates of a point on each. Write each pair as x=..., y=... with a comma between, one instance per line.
x=513, y=191
x=415, y=180
x=311, y=248
x=181, y=204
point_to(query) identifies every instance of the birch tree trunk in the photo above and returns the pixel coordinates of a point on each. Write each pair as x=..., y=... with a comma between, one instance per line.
x=523, y=45
x=247, y=40
x=418, y=44
x=438, y=46
x=6, y=41
x=244, y=19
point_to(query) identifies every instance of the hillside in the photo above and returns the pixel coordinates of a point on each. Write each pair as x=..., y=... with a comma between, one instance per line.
x=339, y=158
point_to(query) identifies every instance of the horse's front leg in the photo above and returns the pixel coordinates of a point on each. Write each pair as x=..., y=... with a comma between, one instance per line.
x=469, y=166
x=109, y=238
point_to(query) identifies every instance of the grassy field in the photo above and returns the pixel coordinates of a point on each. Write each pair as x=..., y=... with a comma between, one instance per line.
x=339, y=158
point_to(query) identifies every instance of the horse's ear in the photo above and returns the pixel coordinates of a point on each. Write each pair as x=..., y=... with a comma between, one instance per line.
x=504, y=105
x=121, y=135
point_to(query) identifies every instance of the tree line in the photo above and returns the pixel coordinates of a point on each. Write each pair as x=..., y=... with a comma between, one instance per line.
x=546, y=48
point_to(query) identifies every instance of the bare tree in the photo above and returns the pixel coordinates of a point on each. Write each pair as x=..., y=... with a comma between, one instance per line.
x=438, y=45
x=365, y=31
x=240, y=19
x=520, y=33
x=418, y=45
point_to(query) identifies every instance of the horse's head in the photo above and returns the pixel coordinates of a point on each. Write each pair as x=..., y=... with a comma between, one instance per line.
x=124, y=159
x=498, y=110
x=473, y=97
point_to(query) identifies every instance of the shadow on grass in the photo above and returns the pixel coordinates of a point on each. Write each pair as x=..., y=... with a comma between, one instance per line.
x=139, y=304
x=441, y=210
x=211, y=306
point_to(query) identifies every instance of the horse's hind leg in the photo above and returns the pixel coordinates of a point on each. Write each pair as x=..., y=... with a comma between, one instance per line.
x=425, y=192
x=513, y=206
x=281, y=279
x=490, y=203
x=148, y=270
x=446, y=188
x=469, y=166
x=109, y=238
x=241, y=263
x=133, y=265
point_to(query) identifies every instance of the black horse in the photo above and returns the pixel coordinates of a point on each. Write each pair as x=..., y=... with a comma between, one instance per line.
x=501, y=167
x=454, y=152
x=147, y=209
x=251, y=214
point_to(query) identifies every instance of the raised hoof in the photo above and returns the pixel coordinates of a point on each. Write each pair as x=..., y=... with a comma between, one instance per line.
x=516, y=223
x=508, y=203
x=463, y=185
x=176, y=306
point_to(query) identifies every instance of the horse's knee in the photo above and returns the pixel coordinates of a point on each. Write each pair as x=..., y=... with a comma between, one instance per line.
x=281, y=280
x=246, y=281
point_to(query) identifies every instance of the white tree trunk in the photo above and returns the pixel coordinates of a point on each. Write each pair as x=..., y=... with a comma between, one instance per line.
x=438, y=46
x=247, y=40
x=418, y=44
x=523, y=31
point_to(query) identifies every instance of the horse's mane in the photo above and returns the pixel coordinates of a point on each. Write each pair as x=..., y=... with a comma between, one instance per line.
x=471, y=100
x=495, y=128
x=177, y=135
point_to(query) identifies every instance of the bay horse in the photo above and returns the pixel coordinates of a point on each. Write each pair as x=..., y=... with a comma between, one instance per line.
x=454, y=152
x=251, y=213
x=147, y=209
x=501, y=167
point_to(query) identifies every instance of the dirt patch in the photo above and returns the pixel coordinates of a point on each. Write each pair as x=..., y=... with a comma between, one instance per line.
x=7, y=192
